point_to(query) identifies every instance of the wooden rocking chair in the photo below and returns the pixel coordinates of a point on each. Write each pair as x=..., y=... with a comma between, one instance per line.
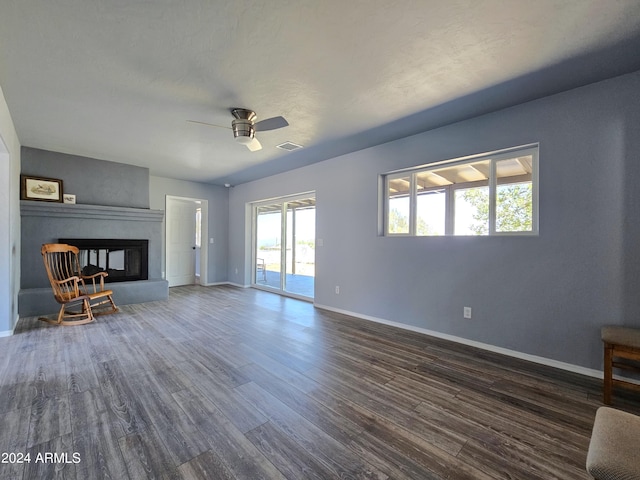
x=70, y=289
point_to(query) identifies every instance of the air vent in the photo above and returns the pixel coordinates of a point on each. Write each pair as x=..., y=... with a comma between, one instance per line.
x=289, y=146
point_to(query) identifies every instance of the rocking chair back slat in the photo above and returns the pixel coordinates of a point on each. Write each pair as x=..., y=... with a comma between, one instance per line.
x=59, y=263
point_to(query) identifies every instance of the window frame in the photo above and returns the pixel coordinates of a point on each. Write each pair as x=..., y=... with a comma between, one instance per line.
x=492, y=182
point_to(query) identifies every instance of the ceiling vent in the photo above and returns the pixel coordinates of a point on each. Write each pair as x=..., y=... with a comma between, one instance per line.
x=289, y=146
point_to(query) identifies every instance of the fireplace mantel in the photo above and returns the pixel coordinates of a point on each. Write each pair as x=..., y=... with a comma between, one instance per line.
x=66, y=210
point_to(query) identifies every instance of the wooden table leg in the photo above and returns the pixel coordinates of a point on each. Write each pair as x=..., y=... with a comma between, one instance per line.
x=608, y=373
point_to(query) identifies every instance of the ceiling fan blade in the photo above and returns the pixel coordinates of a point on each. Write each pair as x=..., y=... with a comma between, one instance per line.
x=271, y=124
x=254, y=145
x=208, y=124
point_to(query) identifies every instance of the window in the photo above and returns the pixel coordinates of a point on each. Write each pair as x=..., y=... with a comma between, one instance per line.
x=490, y=194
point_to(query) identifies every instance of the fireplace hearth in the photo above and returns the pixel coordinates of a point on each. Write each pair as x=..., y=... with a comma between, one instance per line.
x=123, y=259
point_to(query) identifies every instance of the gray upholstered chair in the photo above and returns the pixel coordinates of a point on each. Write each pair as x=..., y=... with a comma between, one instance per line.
x=614, y=450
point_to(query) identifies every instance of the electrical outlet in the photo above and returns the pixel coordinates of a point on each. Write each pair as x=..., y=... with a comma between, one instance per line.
x=236, y=271
x=337, y=290
x=467, y=312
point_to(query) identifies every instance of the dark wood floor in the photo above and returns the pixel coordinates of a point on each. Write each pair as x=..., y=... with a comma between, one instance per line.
x=230, y=383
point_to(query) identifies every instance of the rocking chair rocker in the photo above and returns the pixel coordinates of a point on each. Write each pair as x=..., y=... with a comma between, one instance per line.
x=69, y=288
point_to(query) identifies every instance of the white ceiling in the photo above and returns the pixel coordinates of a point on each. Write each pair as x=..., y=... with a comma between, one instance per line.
x=117, y=80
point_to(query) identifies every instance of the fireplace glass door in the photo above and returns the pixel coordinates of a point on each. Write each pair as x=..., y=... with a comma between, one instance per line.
x=124, y=260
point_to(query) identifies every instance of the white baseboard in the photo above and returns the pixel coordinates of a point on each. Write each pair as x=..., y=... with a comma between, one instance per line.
x=472, y=343
x=8, y=333
x=217, y=284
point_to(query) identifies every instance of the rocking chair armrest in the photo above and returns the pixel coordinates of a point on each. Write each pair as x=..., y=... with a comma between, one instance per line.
x=99, y=274
x=73, y=279
x=93, y=277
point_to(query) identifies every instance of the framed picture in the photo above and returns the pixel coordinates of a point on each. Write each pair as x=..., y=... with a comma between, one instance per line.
x=69, y=198
x=41, y=189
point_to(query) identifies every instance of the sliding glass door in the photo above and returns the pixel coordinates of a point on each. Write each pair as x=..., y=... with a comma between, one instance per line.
x=284, y=245
x=268, y=255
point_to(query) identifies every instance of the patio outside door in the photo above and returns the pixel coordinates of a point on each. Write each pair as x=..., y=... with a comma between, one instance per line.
x=284, y=245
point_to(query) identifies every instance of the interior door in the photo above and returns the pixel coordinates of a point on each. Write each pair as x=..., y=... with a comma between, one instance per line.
x=181, y=234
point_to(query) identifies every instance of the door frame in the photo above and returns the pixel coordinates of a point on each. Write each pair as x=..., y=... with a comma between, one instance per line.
x=204, y=234
x=8, y=300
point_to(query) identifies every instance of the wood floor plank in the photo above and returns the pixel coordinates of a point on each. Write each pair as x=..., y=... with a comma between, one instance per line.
x=226, y=399
x=238, y=454
x=340, y=427
x=119, y=399
x=480, y=424
x=44, y=465
x=301, y=381
x=50, y=418
x=383, y=408
x=288, y=455
x=415, y=456
x=230, y=383
x=14, y=433
x=224, y=371
x=322, y=446
x=206, y=466
x=503, y=460
x=81, y=375
x=99, y=451
x=182, y=438
x=146, y=456
x=87, y=409
x=16, y=395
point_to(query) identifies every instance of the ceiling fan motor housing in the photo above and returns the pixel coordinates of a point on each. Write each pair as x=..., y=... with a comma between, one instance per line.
x=243, y=126
x=243, y=130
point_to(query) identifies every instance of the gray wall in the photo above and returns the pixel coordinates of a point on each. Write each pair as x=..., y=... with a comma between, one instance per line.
x=218, y=203
x=546, y=295
x=94, y=182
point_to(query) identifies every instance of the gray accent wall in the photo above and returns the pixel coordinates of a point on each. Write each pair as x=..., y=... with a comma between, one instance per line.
x=93, y=181
x=544, y=295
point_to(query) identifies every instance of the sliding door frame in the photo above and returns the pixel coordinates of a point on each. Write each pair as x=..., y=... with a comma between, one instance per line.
x=283, y=201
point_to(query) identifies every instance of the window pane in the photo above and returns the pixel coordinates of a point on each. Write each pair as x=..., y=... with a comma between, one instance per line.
x=399, y=204
x=472, y=211
x=300, y=254
x=268, y=244
x=514, y=195
x=464, y=173
x=431, y=212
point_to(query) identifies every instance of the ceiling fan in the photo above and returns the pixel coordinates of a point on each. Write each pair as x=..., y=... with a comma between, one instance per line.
x=245, y=127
